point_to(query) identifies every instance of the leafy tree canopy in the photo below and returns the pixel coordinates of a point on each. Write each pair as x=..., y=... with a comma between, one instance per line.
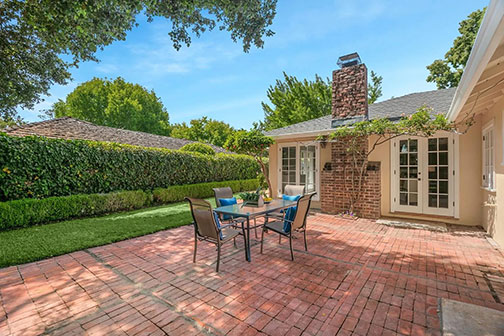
x=293, y=101
x=374, y=88
x=116, y=104
x=447, y=72
x=252, y=143
x=41, y=40
x=203, y=130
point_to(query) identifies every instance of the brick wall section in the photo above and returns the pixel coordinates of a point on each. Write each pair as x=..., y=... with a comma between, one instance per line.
x=334, y=196
x=349, y=91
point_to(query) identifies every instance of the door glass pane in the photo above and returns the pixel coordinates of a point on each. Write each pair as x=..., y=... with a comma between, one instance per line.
x=443, y=201
x=403, y=198
x=432, y=159
x=408, y=172
x=413, y=199
x=413, y=186
x=433, y=173
x=438, y=167
x=403, y=185
x=413, y=159
x=288, y=166
x=443, y=144
x=413, y=172
x=307, y=168
x=432, y=201
x=432, y=145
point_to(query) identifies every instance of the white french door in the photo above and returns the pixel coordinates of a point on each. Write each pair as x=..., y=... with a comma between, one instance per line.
x=423, y=175
x=298, y=165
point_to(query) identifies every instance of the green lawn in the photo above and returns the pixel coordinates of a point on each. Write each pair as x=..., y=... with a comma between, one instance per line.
x=40, y=242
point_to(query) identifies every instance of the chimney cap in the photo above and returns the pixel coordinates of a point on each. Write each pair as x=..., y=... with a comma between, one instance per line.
x=349, y=60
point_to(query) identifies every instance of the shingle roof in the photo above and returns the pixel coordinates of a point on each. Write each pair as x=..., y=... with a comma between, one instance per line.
x=71, y=128
x=394, y=108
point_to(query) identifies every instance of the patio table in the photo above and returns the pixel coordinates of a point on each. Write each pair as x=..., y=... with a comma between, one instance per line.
x=249, y=212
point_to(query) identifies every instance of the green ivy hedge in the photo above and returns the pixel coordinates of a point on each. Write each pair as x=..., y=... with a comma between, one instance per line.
x=201, y=190
x=198, y=147
x=38, y=167
x=31, y=211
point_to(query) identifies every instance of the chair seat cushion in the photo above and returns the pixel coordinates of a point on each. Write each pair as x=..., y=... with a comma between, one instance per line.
x=227, y=201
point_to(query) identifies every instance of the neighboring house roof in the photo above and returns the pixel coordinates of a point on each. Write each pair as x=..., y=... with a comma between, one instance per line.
x=71, y=128
x=438, y=100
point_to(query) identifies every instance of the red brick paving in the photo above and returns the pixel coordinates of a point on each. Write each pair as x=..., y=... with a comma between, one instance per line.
x=358, y=278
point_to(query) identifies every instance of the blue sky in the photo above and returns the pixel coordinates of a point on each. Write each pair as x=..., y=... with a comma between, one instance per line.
x=215, y=78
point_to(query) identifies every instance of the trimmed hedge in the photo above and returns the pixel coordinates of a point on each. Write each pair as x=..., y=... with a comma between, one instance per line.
x=201, y=190
x=198, y=147
x=38, y=167
x=29, y=212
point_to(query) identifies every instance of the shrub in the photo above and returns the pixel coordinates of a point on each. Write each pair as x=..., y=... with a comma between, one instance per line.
x=38, y=167
x=30, y=211
x=201, y=190
x=198, y=147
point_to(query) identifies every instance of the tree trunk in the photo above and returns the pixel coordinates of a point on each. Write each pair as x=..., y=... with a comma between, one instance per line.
x=266, y=176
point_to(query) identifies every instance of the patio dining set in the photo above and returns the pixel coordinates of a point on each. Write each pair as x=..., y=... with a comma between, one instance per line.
x=231, y=219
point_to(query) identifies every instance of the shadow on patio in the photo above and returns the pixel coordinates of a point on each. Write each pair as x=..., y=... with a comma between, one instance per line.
x=357, y=277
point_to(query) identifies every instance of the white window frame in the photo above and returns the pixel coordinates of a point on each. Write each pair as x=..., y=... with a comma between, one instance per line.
x=488, y=166
x=298, y=157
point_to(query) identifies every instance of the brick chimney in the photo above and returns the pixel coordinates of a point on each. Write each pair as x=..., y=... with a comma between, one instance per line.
x=349, y=89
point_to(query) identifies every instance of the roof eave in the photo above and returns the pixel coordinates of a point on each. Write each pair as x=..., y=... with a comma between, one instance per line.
x=300, y=134
x=488, y=39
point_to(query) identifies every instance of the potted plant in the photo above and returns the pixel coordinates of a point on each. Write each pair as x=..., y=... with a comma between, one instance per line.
x=254, y=198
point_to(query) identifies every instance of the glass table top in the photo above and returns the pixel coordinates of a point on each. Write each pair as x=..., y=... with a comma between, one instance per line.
x=239, y=210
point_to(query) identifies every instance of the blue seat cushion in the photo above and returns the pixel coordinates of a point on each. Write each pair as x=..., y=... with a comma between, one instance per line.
x=227, y=201
x=290, y=213
x=217, y=221
x=291, y=198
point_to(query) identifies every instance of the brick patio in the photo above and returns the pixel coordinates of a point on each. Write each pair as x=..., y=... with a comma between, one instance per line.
x=358, y=278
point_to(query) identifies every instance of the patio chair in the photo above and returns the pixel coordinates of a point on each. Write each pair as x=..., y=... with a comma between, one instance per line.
x=206, y=228
x=290, y=190
x=227, y=192
x=298, y=224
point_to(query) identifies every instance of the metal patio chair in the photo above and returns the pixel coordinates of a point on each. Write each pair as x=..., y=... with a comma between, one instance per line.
x=298, y=224
x=206, y=229
x=227, y=192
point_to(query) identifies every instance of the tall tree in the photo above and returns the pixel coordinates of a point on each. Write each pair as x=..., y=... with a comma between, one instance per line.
x=203, y=130
x=255, y=144
x=116, y=104
x=447, y=72
x=374, y=88
x=41, y=40
x=293, y=101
